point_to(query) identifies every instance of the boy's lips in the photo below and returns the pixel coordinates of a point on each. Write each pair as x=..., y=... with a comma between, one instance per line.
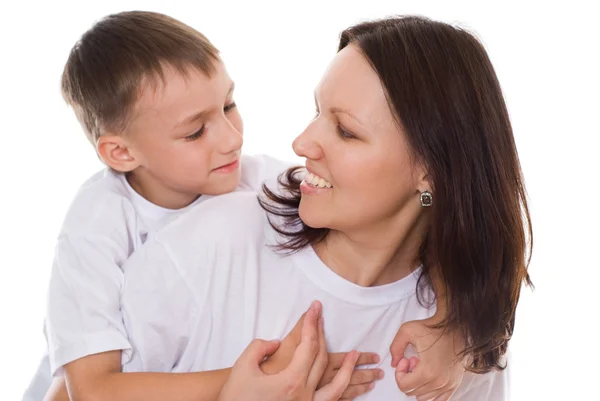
x=227, y=168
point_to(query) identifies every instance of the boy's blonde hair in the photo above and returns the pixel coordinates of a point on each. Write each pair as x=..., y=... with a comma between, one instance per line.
x=103, y=77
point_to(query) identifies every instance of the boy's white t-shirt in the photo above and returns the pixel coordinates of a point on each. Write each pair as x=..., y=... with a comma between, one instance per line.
x=106, y=222
x=197, y=293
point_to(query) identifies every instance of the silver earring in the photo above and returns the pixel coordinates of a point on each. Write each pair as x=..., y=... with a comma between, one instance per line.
x=426, y=199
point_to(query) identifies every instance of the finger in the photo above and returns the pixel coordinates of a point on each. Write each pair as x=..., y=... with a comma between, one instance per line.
x=257, y=350
x=307, y=350
x=413, y=383
x=413, y=362
x=362, y=376
x=353, y=391
x=335, y=389
x=366, y=358
x=401, y=372
x=335, y=362
x=318, y=367
x=398, y=347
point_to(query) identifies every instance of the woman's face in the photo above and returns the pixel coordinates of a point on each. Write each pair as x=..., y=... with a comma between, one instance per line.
x=360, y=173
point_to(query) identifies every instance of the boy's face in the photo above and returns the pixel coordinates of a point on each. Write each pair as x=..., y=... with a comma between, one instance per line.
x=186, y=135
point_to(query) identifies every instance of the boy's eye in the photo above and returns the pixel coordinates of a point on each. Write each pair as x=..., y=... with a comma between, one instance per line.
x=195, y=135
x=345, y=134
x=229, y=107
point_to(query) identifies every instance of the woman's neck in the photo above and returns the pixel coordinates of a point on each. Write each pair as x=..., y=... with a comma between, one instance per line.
x=378, y=255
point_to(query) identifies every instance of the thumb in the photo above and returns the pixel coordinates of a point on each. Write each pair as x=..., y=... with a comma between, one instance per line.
x=257, y=350
x=400, y=344
x=402, y=370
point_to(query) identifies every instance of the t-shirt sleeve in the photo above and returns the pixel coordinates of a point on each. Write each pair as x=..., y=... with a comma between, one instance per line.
x=83, y=307
x=261, y=169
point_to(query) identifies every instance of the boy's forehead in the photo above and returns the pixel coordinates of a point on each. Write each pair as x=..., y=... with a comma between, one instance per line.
x=176, y=91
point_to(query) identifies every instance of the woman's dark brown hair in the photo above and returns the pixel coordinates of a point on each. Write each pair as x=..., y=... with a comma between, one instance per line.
x=445, y=95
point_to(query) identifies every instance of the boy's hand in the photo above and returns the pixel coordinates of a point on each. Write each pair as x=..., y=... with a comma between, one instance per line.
x=438, y=371
x=298, y=381
x=362, y=380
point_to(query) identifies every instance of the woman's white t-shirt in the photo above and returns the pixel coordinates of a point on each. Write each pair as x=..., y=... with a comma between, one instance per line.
x=197, y=293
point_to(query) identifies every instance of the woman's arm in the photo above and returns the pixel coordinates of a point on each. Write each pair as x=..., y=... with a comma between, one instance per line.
x=438, y=370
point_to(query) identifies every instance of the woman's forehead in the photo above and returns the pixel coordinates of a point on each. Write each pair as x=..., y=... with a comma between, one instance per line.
x=351, y=84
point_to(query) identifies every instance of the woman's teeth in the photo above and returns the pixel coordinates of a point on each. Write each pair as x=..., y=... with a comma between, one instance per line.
x=316, y=181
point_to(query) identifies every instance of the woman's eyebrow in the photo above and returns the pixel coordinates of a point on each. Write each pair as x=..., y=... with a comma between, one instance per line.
x=336, y=110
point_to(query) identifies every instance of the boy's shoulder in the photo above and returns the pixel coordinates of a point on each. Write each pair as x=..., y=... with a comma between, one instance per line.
x=102, y=204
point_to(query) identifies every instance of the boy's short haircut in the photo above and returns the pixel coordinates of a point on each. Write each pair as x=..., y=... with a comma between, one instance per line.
x=103, y=77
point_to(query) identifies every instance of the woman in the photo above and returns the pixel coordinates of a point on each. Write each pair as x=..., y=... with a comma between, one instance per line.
x=413, y=178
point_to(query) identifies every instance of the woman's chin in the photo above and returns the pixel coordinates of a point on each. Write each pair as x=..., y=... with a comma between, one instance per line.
x=313, y=217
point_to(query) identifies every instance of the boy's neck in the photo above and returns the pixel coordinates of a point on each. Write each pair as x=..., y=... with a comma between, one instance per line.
x=158, y=194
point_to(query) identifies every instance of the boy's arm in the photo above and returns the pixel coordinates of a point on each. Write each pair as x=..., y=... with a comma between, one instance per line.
x=83, y=314
x=99, y=377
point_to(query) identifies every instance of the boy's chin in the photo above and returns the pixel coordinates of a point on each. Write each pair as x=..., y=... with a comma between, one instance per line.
x=224, y=186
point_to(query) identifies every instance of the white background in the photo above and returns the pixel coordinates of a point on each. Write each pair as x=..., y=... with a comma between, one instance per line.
x=546, y=57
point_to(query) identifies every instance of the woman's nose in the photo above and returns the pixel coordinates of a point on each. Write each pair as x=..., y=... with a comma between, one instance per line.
x=306, y=145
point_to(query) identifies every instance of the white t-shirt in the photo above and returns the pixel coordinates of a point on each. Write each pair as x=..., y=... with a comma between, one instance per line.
x=197, y=293
x=106, y=222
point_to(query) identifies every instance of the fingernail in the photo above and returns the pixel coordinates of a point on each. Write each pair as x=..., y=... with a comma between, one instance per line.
x=380, y=374
x=376, y=358
x=371, y=386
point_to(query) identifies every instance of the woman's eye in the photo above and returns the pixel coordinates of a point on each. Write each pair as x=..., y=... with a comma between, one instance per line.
x=229, y=107
x=195, y=135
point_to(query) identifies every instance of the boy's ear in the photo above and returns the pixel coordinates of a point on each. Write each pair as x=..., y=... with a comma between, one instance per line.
x=114, y=151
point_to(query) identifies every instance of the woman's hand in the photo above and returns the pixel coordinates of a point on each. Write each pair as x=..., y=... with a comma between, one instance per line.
x=299, y=380
x=438, y=371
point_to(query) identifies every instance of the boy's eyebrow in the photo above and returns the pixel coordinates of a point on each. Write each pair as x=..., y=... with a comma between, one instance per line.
x=199, y=115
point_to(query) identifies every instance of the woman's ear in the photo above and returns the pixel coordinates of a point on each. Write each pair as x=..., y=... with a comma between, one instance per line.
x=116, y=154
x=423, y=180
